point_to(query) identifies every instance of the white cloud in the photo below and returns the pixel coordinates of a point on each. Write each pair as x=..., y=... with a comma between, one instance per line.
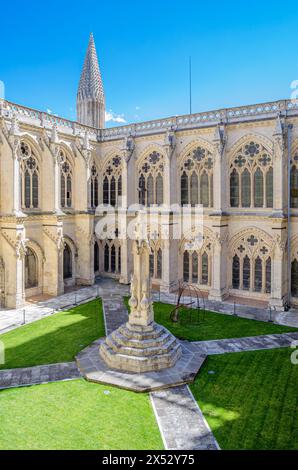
x=110, y=116
x=49, y=111
x=138, y=108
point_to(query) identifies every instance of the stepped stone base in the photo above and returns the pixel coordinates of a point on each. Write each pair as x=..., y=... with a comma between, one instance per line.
x=95, y=369
x=140, y=348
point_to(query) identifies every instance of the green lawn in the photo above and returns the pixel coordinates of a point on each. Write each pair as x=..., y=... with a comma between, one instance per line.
x=76, y=415
x=213, y=325
x=57, y=338
x=250, y=402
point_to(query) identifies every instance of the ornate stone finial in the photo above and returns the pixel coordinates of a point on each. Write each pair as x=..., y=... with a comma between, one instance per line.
x=279, y=128
x=169, y=142
x=54, y=134
x=219, y=138
x=86, y=145
x=279, y=136
x=128, y=147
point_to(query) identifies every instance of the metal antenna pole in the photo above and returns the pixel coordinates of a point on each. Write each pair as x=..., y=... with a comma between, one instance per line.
x=190, y=85
x=290, y=126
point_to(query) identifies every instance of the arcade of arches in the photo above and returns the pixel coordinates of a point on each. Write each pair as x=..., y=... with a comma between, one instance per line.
x=243, y=250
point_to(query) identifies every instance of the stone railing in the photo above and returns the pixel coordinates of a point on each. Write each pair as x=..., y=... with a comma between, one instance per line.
x=42, y=119
x=188, y=121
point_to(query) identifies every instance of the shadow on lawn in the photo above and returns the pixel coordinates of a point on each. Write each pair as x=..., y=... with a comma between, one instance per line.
x=54, y=339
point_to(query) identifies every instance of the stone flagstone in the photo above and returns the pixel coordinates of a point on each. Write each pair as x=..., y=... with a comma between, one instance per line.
x=180, y=420
x=39, y=374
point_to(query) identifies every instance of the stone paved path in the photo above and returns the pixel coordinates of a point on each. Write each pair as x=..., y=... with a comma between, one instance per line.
x=11, y=319
x=181, y=422
x=38, y=374
x=251, y=343
x=244, y=311
x=115, y=312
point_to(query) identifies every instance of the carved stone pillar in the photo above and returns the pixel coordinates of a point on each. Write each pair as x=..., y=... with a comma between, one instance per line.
x=279, y=274
x=53, y=250
x=219, y=281
x=125, y=274
x=14, y=251
x=140, y=345
x=219, y=171
x=279, y=170
x=170, y=274
x=84, y=238
x=15, y=144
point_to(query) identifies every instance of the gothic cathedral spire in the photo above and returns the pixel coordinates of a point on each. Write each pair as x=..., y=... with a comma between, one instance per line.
x=90, y=96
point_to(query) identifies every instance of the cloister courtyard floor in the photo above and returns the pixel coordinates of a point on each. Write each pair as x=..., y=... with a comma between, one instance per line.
x=244, y=396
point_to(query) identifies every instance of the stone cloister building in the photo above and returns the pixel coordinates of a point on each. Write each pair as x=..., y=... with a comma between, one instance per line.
x=55, y=172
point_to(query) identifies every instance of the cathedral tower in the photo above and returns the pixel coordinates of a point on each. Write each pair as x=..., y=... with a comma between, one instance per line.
x=90, y=96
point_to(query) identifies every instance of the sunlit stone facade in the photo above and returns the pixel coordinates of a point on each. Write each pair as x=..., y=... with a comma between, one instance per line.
x=234, y=162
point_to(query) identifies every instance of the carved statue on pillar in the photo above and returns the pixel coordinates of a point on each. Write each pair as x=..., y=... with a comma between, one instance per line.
x=140, y=345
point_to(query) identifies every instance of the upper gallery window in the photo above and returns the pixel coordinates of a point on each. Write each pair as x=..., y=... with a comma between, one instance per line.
x=151, y=179
x=196, y=178
x=29, y=178
x=66, y=181
x=251, y=177
x=112, y=181
x=94, y=187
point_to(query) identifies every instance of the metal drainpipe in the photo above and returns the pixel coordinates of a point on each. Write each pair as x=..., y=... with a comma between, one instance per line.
x=289, y=127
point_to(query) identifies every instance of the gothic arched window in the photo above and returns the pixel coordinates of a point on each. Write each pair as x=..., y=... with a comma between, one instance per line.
x=107, y=258
x=112, y=256
x=251, y=264
x=251, y=167
x=155, y=262
x=29, y=178
x=246, y=273
x=151, y=179
x=258, y=274
x=159, y=264
x=196, y=178
x=195, y=267
x=294, y=278
x=236, y=272
x=94, y=187
x=205, y=268
x=294, y=182
x=31, y=275
x=234, y=189
x=96, y=257
x=186, y=266
x=112, y=181
x=268, y=276
x=66, y=181
x=67, y=262
x=196, y=261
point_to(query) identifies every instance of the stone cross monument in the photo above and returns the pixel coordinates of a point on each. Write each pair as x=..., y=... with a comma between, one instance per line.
x=140, y=345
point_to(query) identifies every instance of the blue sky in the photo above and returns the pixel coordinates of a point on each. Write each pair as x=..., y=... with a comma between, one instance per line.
x=242, y=52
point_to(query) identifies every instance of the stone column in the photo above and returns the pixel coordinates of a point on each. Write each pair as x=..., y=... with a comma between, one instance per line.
x=279, y=171
x=139, y=347
x=125, y=274
x=84, y=238
x=16, y=177
x=14, y=251
x=219, y=171
x=57, y=184
x=53, y=251
x=279, y=263
x=219, y=278
x=170, y=274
